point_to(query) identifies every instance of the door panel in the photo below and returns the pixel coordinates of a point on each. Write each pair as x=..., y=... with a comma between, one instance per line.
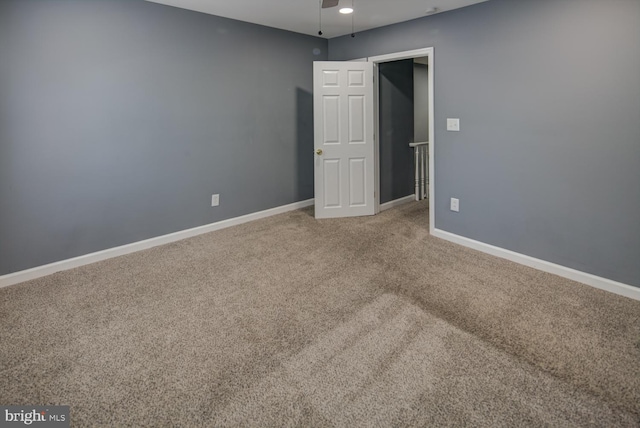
x=358, y=183
x=331, y=172
x=344, y=139
x=331, y=119
x=356, y=120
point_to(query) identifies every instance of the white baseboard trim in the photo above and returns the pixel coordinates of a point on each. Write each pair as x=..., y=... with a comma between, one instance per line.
x=40, y=271
x=565, y=272
x=395, y=203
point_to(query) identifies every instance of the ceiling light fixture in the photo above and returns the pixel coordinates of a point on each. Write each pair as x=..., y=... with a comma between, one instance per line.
x=431, y=11
x=346, y=10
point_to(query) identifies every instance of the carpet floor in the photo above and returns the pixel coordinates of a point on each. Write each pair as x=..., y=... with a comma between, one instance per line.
x=290, y=321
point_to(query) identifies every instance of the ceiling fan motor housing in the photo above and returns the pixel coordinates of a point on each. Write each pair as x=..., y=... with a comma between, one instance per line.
x=329, y=3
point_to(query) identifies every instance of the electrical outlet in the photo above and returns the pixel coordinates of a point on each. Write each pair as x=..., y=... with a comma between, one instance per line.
x=455, y=205
x=215, y=200
x=453, y=124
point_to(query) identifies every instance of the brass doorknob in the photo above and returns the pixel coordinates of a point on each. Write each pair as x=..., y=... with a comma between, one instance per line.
x=319, y=151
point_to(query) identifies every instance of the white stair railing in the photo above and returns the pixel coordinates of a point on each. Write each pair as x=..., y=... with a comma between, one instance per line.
x=421, y=154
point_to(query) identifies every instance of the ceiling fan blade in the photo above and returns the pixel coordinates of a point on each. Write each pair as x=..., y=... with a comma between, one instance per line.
x=329, y=3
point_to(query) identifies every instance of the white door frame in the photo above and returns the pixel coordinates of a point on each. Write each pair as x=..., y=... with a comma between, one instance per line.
x=417, y=53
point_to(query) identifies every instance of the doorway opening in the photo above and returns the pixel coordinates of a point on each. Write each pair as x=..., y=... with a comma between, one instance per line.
x=347, y=133
x=402, y=79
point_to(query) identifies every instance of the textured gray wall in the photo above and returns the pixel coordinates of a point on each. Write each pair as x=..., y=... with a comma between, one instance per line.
x=548, y=92
x=396, y=130
x=119, y=119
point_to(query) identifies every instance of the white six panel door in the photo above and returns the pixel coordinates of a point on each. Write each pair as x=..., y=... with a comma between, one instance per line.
x=344, y=142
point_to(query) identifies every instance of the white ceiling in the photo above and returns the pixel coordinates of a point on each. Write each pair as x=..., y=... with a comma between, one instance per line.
x=301, y=16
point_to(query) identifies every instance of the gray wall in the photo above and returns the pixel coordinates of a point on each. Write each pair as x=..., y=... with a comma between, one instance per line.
x=420, y=102
x=547, y=162
x=396, y=130
x=119, y=119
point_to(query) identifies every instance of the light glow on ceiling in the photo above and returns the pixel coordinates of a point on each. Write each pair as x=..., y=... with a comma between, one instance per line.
x=346, y=10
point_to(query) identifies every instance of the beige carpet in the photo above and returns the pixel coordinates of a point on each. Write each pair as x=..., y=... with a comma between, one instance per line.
x=290, y=321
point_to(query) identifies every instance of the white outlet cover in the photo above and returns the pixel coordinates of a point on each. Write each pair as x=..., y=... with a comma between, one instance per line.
x=215, y=200
x=453, y=124
x=455, y=205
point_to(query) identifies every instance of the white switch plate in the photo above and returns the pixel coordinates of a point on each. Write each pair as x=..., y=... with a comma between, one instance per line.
x=455, y=205
x=215, y=200
x=453, y=124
